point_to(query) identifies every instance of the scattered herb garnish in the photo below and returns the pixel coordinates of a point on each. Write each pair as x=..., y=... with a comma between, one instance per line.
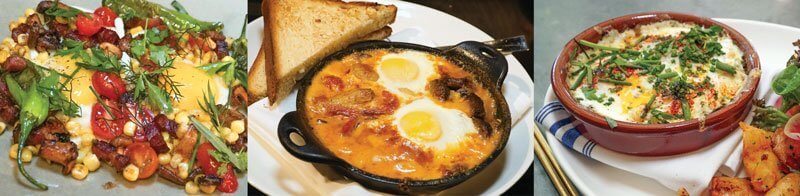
x=226, y=153
x=611, y=122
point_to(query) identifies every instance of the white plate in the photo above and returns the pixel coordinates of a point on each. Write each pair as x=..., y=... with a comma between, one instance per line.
x=227, y=12
x=772, y=42
x=274, y=171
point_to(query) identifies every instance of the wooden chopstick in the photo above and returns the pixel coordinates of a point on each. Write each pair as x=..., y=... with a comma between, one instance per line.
x=560, y=181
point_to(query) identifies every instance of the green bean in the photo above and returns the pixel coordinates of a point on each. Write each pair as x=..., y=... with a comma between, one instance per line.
x=612, y=81
x=667, y=75
x=649, y=105
x=598, y=46
x=687, y=114
x=725, y=67
x=578, y=82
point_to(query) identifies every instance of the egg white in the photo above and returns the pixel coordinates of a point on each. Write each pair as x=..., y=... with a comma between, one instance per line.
x=416, y=86
x=455, y=124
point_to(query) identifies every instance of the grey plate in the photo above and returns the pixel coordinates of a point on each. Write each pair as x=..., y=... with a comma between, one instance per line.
x=231, y=13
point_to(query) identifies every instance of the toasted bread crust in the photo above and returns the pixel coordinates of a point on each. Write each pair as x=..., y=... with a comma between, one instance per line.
x=282, y=76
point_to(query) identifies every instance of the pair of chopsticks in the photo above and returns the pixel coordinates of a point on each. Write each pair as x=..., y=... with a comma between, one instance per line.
x=560, y=181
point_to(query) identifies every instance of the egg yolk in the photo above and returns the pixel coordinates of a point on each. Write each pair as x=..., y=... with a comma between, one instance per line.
x=80, y=82
x=399, y=69
x=193, y=84
x=421, y=125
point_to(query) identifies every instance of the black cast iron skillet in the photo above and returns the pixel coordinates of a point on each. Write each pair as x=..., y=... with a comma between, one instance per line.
x=487, y=64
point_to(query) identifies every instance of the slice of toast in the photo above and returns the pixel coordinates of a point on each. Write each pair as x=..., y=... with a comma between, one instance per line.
x=304, y=31
x=257, y=79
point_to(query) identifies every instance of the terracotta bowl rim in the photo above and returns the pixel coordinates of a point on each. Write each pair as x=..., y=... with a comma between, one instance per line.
x=561, y=89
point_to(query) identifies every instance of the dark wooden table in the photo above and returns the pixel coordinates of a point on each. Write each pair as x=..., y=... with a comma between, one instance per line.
x=498, y=18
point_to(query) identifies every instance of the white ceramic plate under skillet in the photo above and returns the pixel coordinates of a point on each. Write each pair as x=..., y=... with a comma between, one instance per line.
x=275, y=172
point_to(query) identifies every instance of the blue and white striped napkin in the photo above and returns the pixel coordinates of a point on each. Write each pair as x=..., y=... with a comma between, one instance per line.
x=674, y=172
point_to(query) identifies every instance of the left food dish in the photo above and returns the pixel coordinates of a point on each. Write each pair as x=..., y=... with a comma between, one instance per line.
x=147, y=89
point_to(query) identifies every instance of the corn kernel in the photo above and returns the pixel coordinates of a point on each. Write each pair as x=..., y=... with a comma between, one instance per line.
x=224, y=131
x=13, y=25
x=131, y=173
x=166, y=137
x=2, y=127
x=29, y=12
x=164, y=159
x=183, y=170
x=191, y=188
x=12, y=151
x=87, y=139
x=82, y=154
x=91, y=162
x=231, y=138
x=33, y=149
x=22, y=39
x=80, y=171
x=182, y=129
x=208, y=189
x=237, y=126
x=62, y=117
x=206, y=58
x=129, y=128
x=8, y=41
x=26, y=156
x=176, y=160
x=182, y=118
x=4, y=54
x=72, y=125
x=21, y=20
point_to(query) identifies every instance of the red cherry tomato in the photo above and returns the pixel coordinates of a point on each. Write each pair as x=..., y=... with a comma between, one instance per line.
x=229, y=183
x=87, y=26
x=793, y=110
x=209, y=165
x=143, y=157
x=105, y=16
x=109, y=85
x=104, y=125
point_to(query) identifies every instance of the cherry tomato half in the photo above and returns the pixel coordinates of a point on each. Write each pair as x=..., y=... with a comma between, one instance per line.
x=105, y=16
x=143, y=157
x=209, y=165
x=104, y=126
x=87, y=26
x=109, y=85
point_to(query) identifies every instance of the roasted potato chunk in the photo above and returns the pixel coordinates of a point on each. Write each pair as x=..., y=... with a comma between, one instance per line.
x=721, y=185
x=788, y=185
x=760, y=163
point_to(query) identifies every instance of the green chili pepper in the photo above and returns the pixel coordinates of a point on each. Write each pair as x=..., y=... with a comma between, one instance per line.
x=34, y=109
x=174, y=19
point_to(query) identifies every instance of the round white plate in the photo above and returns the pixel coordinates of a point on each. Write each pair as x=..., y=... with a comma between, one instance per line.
x=228, y=12
x=275, y=172
x=772, y=42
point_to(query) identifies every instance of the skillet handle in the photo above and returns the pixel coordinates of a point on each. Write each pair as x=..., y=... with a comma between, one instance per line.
x=486, y=57
x=290, y=123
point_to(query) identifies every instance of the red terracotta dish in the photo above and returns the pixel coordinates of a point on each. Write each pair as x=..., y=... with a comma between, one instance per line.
x=657, y=139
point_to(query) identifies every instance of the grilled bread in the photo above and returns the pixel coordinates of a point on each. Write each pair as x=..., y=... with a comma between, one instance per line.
x=299, y=33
